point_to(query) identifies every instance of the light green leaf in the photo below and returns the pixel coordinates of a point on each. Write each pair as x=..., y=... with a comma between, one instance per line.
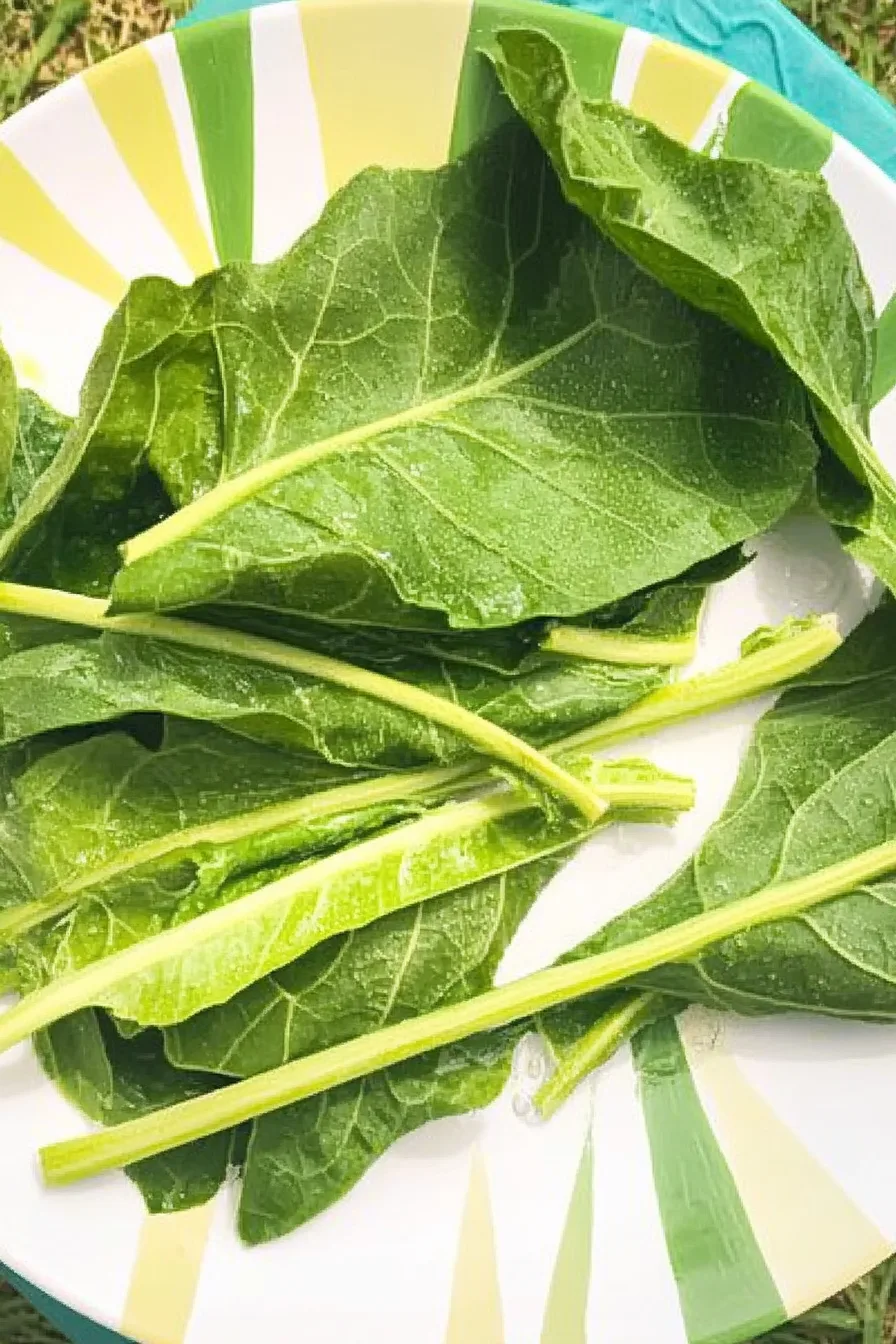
x=763, y=248
x=37, y=434
x=150, y=962
x=110, y=820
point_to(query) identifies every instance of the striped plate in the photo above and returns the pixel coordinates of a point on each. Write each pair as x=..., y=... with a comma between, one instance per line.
x=723, y=1174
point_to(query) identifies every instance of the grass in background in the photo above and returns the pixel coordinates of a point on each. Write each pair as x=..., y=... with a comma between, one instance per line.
x=20, y=1323
x=863, y=31
x=42, y=42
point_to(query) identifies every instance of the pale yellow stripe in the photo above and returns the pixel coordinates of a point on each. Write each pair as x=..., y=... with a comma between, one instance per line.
x=475, y=1316
x=811, y=1234
x=676, y=88
x=166, y=1275
x=31, y=222
x=385, y=80
x=129, y=96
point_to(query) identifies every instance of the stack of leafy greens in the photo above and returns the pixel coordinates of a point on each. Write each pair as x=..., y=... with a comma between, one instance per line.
x=314, y=617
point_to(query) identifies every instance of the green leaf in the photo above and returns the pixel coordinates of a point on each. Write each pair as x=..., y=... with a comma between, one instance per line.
x=97, y=697
x=499, y=1008
x=112, y=1082
x=763, y=248
x=58, y=675
x=108, y=820
x=667, y=614
x=47, y=474
x=814, y=790
x=390, y=970
x=411, y=431
x=75, y=546
x=270, y=1023
x=404, y=964
x=303, y=1158
x=36, y=434
x=150, y=962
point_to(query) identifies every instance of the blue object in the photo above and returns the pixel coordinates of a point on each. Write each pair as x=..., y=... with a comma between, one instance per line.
x=763, y=40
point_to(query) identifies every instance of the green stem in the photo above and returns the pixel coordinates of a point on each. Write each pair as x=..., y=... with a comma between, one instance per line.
x=259, y=1095
x=595, y=1047
x=608, y=646
x=65, y=15
x=484, y=736
x=333, y=909
x=751, y=675
x=304, y=811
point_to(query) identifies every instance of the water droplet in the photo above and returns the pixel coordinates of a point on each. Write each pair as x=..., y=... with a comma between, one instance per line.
x=522, y=1106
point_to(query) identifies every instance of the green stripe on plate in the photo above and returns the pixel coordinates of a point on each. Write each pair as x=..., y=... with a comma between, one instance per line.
x=724, y=1284
x=762, y=126
x=566, y=1313
x=592, y=45
x=885, y=363
x=218, y=78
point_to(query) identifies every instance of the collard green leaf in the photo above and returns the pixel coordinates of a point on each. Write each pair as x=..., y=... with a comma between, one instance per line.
x=816, y=788
x=112, y=1081
x=667, y=613
x=158, y=961
x=15, y=869
x=764, y=248
x=246, y=651
x=90, y=519
x=304, y=1157
x=108, y=820
x=76, y=545
x=56, y=676
x=438, y=408
x=301, y=1159
x=36, y=434
x=405, y=964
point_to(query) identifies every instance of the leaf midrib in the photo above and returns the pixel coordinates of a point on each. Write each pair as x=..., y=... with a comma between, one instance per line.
x=228, y=830
x=240, y=488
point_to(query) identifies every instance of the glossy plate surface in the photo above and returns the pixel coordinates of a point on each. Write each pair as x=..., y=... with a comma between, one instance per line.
x=728, y=1173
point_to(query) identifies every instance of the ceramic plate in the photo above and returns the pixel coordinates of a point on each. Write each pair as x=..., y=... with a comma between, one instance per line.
x=729, y=1172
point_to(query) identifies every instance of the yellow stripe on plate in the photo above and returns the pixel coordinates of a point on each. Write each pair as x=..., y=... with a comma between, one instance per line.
x=32, y=223
x=129, y=96
x=811, y=1234
x=676, y=89
x=166, y=1275
x=475, y=1313
x=385, y=79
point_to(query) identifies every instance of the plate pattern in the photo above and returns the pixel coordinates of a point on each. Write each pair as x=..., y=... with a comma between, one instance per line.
x=707, y=1184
